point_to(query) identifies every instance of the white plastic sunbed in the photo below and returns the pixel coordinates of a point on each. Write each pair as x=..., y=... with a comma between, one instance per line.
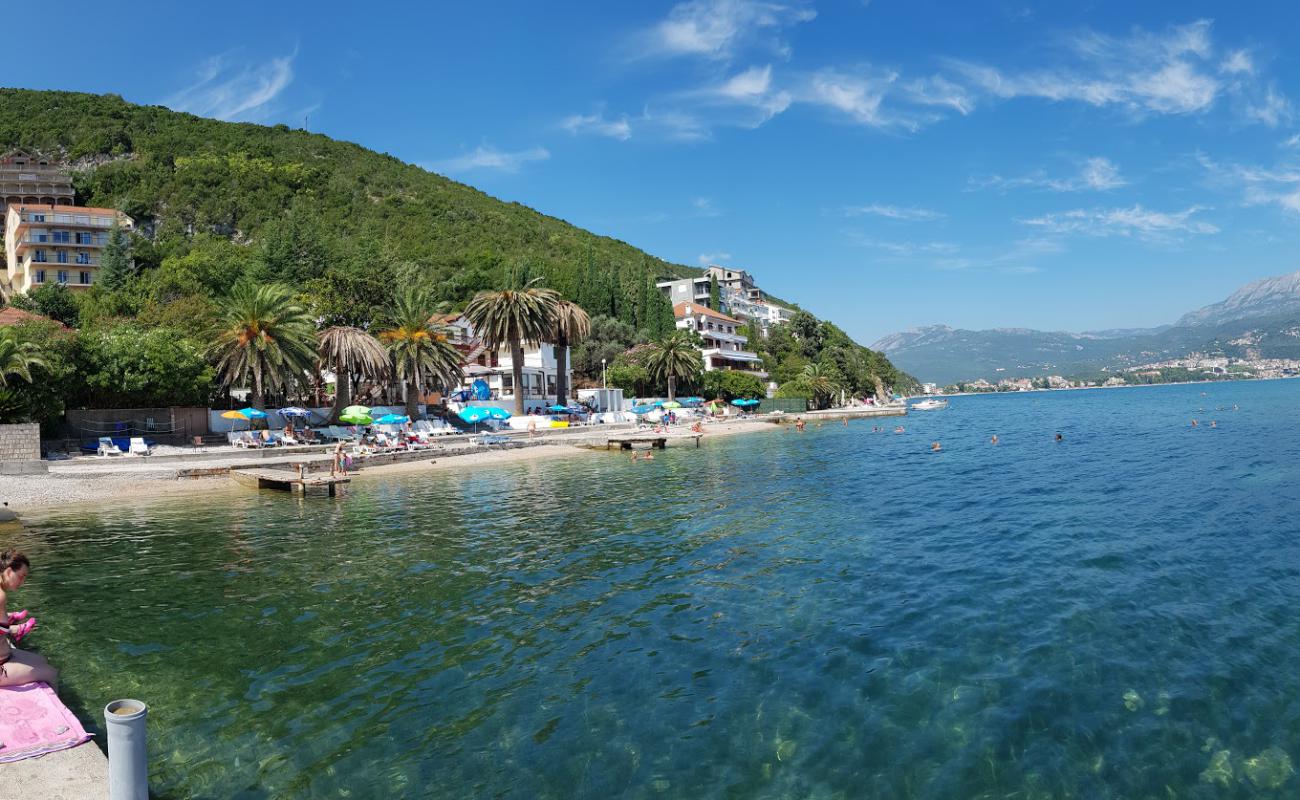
x=138, y=447
x=108, y=448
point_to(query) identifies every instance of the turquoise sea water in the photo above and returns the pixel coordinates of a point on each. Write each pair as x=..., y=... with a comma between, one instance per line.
x=838, y=613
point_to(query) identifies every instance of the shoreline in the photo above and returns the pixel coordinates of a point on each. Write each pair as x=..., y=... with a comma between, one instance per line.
x=51, y=493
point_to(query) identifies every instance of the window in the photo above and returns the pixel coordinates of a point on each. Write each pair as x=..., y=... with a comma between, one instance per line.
x=83, y=258
x=39, y=256
x=550, y=384
x=61, y=256
x=62, y=237
x=85, y=278
x=40, y=276
x=63, y=276
x=37, y=217
x=84, y=238
x=507, y=384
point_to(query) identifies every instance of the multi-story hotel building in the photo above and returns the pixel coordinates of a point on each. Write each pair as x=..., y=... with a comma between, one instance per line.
x=25, y=178
x=724, y=346
x=56, y=244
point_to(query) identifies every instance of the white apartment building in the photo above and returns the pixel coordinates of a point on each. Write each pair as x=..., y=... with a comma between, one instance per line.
x=495, y=367
x=56, y=244
x=688, y=290
x=724, y=348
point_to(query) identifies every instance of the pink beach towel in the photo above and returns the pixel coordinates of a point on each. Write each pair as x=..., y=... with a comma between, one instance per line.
x=33, y=722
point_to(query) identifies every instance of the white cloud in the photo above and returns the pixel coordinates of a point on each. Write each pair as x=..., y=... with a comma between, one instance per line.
x=1270, y=108
x=894, y=213
x=704, y=207
x=905, y=249
x=1136, y=221
x=487, y=157
x=1278, y=186
x=1292, y=141
x=1096, y=174
x=717, y=29
x=713, y=258
x=229, y=91
x=596, y=124
x=1238, y=62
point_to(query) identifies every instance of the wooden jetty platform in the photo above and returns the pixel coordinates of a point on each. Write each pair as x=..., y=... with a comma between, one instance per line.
x=286, y=481
x=657, y=441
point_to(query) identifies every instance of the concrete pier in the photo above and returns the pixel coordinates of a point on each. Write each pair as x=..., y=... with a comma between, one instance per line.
x=77, y=774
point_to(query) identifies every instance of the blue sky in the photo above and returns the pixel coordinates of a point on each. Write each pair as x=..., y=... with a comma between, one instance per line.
x=886, y=164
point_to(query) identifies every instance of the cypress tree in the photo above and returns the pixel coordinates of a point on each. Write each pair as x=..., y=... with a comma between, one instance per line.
x=115, y=267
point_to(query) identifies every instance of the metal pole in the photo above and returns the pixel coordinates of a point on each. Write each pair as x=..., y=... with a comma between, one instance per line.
x=128, y=767
x=603, y=384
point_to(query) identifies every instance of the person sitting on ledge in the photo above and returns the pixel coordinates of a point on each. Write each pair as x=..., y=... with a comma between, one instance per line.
x=19, y=666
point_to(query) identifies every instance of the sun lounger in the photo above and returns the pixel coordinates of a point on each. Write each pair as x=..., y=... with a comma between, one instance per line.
x=108, y=448
x=138, y=447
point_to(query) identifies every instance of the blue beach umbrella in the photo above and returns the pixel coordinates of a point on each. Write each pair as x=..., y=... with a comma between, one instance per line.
x=640, y=410
x=252, y=413
x=393, y=419
x=473, y=414
x=498, y=413
x=557, y=408
x=739, y=403
x=294, y=411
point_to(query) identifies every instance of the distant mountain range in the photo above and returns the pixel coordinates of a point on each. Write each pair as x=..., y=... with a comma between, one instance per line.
x=1259, y=320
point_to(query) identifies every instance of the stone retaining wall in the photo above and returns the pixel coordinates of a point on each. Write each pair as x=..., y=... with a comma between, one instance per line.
x=20, y=449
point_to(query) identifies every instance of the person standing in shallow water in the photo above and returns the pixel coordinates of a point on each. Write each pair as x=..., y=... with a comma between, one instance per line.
x=19, y=666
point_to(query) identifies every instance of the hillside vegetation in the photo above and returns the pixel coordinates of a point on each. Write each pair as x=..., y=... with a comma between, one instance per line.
x=218, y=203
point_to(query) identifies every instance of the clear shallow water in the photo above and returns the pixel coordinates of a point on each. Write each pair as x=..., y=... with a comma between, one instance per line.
x=838, y=613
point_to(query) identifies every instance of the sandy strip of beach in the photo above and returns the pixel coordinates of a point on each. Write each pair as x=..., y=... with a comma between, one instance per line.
x=52, y=491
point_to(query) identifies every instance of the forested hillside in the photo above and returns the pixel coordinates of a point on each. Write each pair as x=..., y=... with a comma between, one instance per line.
x=218, y=203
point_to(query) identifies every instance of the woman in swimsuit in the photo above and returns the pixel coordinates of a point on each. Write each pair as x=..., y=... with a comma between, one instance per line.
x=19, y=666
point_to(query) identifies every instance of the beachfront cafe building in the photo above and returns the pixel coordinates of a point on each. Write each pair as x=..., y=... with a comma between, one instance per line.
x=489, y=374
x=724, y=346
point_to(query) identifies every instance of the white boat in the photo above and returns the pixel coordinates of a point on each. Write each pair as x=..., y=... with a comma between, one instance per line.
x=930, y=404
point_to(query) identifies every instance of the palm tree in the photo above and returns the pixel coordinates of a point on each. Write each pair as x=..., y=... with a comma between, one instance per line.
x=348, y=352
x=673, y=359
x=821, y=384
x=512, y=318
x=18, y=357
x=265, y=340
x=569, y=326
x=422, y=352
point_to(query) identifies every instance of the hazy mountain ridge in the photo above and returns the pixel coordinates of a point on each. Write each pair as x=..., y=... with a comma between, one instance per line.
x=1259, y=320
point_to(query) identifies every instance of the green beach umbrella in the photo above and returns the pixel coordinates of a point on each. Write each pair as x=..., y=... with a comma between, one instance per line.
x=356, y=415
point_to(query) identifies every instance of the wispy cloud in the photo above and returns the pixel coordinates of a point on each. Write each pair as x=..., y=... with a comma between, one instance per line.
x=596, y=124
x=1136, y=222
x=704, y=207
x=231, y=89
x=1174, y=71
x=904, y=249
x=1278, y=185
x=894, y=212
x=1096, y=174
x=718, y=29
x=487, y=157
x=713, y=258
x=949, y=256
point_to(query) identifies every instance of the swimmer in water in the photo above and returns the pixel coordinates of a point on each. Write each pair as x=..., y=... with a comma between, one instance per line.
x=899, y=429
x=1194, y=423
x=936, y=447
x=649, y=456
x=1214, y=424
x=994, y=440
x=1060, y=438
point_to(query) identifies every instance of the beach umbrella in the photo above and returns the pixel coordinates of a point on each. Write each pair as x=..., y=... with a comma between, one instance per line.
x=557, y=408
x=576, y=410
x=498, y=413
x=357, y=411
x=393, y=419
x=671, y=404
x=356, y=415
x=474, y=414
x=739, y=403
x=233, y=415
x=252, y=413
x=294, y=411
x=639, y=410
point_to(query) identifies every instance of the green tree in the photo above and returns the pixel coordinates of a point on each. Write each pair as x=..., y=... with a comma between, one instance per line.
x=350, y=353
x=265, y=340
x=130, y=366
x=569, y=325
x=18, y=357
x=115, y=266
x=510, y=318
x=674, y=359
x=607, y=340
x=633, y=379
x=422, y=353
x=53, y=300
x=728, y=385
